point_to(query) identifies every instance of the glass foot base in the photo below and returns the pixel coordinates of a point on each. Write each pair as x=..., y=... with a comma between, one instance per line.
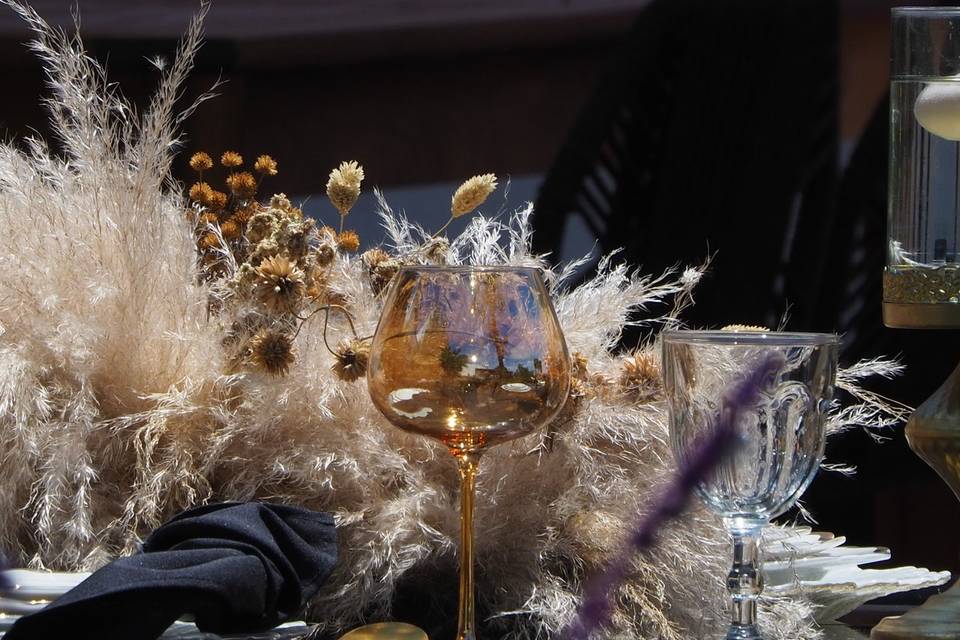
x=743, y=632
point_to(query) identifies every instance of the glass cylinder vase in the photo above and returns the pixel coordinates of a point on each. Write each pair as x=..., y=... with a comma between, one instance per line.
x=921, y=284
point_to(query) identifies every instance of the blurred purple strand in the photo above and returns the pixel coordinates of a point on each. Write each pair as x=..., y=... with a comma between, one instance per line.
x=705, y=455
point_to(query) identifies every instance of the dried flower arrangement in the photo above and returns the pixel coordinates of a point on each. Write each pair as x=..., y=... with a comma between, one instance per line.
x=269, y=270
x=148, y=364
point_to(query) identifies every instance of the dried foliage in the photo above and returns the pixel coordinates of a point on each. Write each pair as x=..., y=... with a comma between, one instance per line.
x=137, y=379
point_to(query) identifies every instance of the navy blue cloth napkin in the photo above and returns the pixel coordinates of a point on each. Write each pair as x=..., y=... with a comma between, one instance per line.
x=237, y=567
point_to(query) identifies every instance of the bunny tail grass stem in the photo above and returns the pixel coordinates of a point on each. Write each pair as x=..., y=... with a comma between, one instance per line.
x=436, y=234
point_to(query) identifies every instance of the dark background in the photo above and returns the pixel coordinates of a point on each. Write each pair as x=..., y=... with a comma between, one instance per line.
x=752, y=129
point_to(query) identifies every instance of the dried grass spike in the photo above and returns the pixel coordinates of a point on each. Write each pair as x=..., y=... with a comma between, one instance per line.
x=343, y=187
x=472, y=193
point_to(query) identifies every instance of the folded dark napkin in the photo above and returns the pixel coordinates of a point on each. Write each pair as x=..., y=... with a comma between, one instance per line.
x=237, y=567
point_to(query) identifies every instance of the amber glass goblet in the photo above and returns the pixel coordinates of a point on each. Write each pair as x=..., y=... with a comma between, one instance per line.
x=473, y=357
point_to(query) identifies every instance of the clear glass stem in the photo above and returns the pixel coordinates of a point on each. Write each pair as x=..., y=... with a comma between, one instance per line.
x=467, y=464
x=745, y=581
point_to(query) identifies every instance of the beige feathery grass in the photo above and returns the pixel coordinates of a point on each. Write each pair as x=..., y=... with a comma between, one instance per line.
x=121, y=401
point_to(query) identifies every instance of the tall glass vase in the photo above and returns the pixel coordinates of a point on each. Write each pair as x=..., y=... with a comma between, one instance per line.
x=921, y=282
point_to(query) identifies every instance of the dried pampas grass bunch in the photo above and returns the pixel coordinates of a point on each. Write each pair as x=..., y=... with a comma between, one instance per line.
x=148, y=364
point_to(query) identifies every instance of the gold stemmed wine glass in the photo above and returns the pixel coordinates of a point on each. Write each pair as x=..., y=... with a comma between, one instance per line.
x=474, y=357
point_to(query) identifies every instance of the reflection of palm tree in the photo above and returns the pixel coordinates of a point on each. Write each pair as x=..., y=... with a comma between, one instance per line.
x=523, y=374
x=451, y=360
x=499, y=340
x=499, y=343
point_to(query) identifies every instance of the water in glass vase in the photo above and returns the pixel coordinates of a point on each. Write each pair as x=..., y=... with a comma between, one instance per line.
x=924, y=194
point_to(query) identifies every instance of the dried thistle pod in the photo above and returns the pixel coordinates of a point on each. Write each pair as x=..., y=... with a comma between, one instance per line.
x=230, y=230
x=201, y=161
x=587, y=384
x=271, y=351
x=381, y=267
x=231, y=159
x=352, y=357
x=371, y=258
x=209, y=240
x=298, y=240
x=325, y=254
x=242, y=184
x=280, y=285
x=245, y=213
x=206, y=218
x=218, y=200
x=348, y=241
x=200, y=193
x=265, y=165
x=640, y=376
x=436, y=250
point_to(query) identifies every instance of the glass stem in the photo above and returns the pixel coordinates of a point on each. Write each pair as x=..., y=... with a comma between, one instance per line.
x=467, y=464
x=745, y=581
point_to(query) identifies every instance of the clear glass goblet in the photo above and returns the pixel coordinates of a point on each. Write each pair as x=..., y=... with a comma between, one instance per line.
x=781, y=436
x=471, y=356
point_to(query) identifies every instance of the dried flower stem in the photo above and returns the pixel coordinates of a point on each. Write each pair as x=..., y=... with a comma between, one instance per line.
x=326, y=321
x=443, y=228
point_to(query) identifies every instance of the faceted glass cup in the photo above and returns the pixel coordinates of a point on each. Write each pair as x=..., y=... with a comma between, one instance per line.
x=781, y=437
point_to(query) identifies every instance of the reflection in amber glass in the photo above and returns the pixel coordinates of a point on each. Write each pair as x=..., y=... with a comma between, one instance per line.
x=473, y=357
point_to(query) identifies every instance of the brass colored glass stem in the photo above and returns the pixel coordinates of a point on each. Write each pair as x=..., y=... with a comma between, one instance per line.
x=467, y=464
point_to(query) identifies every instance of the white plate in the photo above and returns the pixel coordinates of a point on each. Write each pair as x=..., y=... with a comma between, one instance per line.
x=21, y=607
x=41, y=585
x=814, y=565
x=187, y=631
